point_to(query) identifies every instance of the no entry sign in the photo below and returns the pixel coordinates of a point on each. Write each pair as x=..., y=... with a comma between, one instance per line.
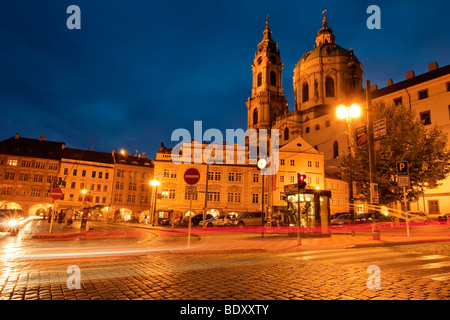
x=56, y=194
x=191, y=176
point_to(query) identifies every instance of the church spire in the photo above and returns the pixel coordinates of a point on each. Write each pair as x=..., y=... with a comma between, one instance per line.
x=267, y=43
x=325, y=35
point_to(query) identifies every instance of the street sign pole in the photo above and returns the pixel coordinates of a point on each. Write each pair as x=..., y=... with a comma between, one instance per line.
x=190, y=221
x=406, y=212
x=55, y=194
x=52, y=216
x=191, y=177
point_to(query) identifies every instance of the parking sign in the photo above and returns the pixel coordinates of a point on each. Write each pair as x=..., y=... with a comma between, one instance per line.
x=402, y=168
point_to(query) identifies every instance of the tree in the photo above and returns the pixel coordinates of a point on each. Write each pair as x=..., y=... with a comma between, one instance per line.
x=425, y=149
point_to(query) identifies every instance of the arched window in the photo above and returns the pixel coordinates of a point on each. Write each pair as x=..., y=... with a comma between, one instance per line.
x=259, y=79
x=335, y=149
x=273, y=78
x=305, y=92
x=255, y=116
x=329, y=87
x=286, y=133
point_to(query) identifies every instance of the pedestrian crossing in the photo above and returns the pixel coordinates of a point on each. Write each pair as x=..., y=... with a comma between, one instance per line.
x=430, y=266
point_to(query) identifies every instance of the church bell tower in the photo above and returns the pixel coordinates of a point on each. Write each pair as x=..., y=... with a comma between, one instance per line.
x=267, y=100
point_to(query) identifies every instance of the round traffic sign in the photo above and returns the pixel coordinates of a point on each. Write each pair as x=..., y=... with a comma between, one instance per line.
x=191, y=176
x=56, y=194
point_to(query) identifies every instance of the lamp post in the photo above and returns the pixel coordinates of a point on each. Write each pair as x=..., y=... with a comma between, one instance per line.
x=262, y=164
x=349, y=112
x=154, y=184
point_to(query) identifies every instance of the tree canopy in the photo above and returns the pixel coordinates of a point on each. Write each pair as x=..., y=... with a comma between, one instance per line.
x=424, y=147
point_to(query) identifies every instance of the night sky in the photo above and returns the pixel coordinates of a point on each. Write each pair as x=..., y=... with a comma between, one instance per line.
x=137, y=70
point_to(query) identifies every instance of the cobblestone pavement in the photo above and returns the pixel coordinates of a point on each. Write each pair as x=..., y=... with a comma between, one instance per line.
x=419, y=271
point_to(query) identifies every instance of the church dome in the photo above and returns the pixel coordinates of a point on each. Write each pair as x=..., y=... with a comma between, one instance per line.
x=328, y=50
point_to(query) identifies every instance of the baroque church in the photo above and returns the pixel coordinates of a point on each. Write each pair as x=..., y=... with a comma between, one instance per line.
x=325, y=77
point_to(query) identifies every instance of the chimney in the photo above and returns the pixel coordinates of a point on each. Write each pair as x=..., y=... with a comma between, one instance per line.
x=42, y=138
x=390, y=82
x=433, y=66
x=373, y=87
x=17, y=136
x=409, y=75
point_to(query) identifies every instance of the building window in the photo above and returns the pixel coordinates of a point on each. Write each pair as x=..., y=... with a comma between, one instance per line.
x=327, y=123
x=292, y=162
x=255, y=116
x=93, y=174
x=100, y=175
x=309, y=163
x=292, y=179
x=448, y=86
x=107, y=175
x=214, y=175
x=255, y=198
x=235, y=176
x=169, y=194
x=259, y=79
x=281, y=178
x=433, y=206
x=307, y=130
x=234, y=197
x=214, y=196
x=256, y=177
x=286, y=133
x=83, y=173
x=273, y=78
x=35, y=192
x=423, y=94
x=66, y=171
x=335, y=149
x=9, y=175
x=329, y=87
x=305, y=92
x=317, y=163
x=317, y=127
x=398, y=101
x=282, y=160
x=190, y=196
x=72, y=185
x=425, y=117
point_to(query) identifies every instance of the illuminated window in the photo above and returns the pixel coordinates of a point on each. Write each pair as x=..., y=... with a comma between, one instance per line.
x=12, y=163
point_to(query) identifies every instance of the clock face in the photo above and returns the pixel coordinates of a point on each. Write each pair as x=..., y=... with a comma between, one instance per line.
x=262, y=163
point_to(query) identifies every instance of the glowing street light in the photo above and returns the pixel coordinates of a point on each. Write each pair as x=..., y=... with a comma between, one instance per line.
x=154, y=184
x=347, y=113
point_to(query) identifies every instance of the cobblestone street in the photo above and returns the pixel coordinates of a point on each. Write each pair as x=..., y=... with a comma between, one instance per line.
x=418, y=271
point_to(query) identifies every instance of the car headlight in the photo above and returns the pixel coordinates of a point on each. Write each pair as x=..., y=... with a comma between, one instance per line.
x=13, y=223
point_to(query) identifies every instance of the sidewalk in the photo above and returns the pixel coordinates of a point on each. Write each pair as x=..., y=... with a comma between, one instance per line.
x=233, y=240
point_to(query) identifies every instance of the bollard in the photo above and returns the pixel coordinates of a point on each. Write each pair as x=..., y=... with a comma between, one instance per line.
x=376, y=232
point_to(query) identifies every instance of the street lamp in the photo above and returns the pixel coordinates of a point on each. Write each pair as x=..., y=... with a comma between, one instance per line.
x=154, y=184
x=262, y=164
x=349, y=112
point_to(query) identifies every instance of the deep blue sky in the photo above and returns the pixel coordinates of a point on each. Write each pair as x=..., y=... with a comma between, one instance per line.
x=137, y=70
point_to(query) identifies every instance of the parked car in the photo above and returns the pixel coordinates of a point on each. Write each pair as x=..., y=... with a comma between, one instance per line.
x=195, y=220
x=219, y=221
x=371, y=217
x=248, y=219
x=414, y=216
x=342, y=220
x=444, y=218
x=337, y=214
